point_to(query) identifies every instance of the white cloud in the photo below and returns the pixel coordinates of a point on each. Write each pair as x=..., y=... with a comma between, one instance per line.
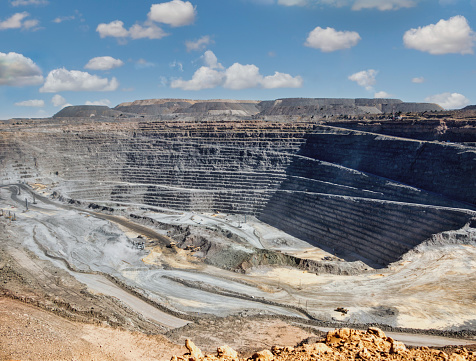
x=199, y=44
x=31, y=103
x=449, y=100
x=331, y=40
x=382, y=95
x=236, y=77
x=28, y=2
x=103, y=63
x=281, y=80
x=18, y=70
x=116, y=29
x=203, y=78
x=240, y=76
x=210, y=60
x=365, y=78
x=74, y=80
x=17, y=21
x=151, y=32
x=418, y=80
x=174, y=13
x=292, y=2
x=383, y=5
x=58, y=100
x=105, y=102
x=445, y=37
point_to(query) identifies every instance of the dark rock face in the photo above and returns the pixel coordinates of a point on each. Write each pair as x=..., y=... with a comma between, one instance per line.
x=442, y=168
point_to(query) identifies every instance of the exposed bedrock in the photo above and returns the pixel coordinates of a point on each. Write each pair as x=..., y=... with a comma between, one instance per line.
x=442, y=168
x=445, y=130
x=379, y=232
x=363, y=196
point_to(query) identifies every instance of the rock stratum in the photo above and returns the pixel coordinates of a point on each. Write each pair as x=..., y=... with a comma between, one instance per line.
x=328, y=181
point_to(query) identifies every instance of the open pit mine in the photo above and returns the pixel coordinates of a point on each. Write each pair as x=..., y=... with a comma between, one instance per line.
x=199, y=219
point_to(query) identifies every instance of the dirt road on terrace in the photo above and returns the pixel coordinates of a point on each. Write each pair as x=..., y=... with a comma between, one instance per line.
x=43, y=281
x=139, y=229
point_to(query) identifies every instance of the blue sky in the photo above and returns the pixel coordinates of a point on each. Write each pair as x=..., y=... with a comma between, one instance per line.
x=55, y=53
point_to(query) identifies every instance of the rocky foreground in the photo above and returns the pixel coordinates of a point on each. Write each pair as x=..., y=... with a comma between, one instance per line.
x=341, y=344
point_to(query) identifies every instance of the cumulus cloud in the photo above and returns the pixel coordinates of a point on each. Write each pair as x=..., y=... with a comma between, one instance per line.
x=383, y=5
x=281, y=80
x=240, y=76
x=103, y=63
x=174, y=13
x=210, y=60
x=365, y=78
x=236, y=77
x=17, y=21
x=116, y=29
x=418, y=80
x=31, y=103
x=199, y=44
x=203, y=78
x=58, y=101
x=28, y=2
x=329, y=39
x=105, y=102
x=150, y=32
x=445, y=37
x=382, y=95
x=18, y=70
x=74, y=80
x=449, y=100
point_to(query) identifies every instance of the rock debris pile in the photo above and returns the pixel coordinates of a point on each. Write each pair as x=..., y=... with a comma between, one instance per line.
x=340, y=344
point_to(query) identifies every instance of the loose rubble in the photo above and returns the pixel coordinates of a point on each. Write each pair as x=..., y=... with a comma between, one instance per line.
x=340, y=344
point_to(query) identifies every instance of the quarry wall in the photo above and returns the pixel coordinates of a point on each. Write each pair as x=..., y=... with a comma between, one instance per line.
x=360, y=195
x=443, y=168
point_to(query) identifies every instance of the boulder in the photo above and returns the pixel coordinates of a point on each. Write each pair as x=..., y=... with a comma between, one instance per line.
x=397, y=347
x=194, y=351
x=264, y=355
x=227, y=352
x=377, y=332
